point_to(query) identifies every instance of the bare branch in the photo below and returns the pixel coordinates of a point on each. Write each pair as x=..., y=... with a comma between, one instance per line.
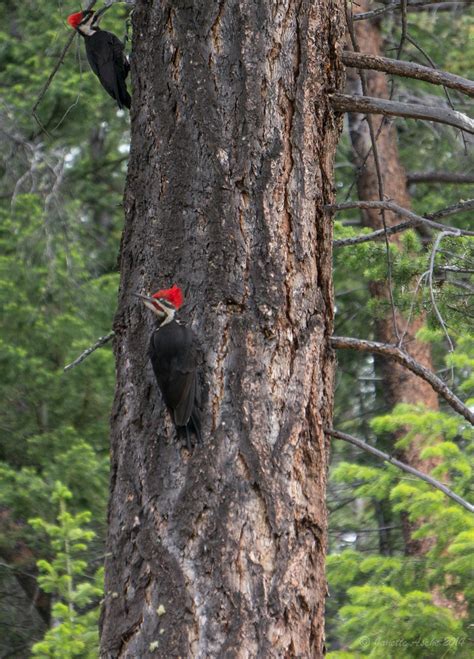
x=98, y=344
x=460, y=207
x=373, y=235
x=401, y=465
x=408, y=70
x=412, y=5
x=413, y=220
x=439, y=177
x=436, y=244
x=398, y=355
x=371, y=105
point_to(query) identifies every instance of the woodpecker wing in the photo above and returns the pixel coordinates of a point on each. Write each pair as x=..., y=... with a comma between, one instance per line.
x=183, y=411
x=107, y=60
x=174, y=360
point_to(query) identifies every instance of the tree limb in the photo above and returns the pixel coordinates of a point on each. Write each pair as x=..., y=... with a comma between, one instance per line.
x=371, y=105
x=413, y=220
x=408, y=70
x=401, y=465
x=412, y=5
x=439, y=177
x=98, y=344
x=460, y=207
x=398, y=355
x=373, y=235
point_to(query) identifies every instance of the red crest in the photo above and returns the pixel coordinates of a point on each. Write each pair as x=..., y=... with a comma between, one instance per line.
x=173, y=295
x=75, y=19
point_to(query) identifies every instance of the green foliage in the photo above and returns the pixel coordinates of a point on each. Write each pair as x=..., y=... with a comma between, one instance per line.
x=379, y=612
x=74, y=632
x=60, y=224
x=396, y=625
x=57, y=422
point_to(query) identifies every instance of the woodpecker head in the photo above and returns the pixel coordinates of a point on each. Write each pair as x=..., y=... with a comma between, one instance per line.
x=86, y=22
x=164, y=303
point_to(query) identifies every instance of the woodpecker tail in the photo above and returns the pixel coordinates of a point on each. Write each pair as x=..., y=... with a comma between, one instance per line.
x=125, y=98
x=192, y=426
x=195, y=423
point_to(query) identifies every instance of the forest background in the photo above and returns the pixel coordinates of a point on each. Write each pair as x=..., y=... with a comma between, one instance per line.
x=61, y=218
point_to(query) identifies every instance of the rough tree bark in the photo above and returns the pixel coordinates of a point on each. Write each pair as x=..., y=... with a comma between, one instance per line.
x=399, y=385
x=221, y=553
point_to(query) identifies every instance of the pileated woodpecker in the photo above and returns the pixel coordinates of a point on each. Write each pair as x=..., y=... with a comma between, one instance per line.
x=105, y=54
x=173, y=356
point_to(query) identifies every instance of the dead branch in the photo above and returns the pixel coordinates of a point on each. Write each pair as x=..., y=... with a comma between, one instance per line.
x=98, y=344
x=439, y=177
x=400, y=356
x=373, y=235
x=371, y=105
x=413, y=220
x=438, y=315
x=460, y=207
x=401, y=465
x=412, y=5
x=408, y=70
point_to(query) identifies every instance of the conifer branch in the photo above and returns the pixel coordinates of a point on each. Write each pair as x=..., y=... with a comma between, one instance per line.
x=401, y=465
x=408, y=70
x=371, y=105
x=403, y=358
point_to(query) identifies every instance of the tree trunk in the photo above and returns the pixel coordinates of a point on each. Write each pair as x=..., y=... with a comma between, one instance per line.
x=399, y=385
x=221, y=552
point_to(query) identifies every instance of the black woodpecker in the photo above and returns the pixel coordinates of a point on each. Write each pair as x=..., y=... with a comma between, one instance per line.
x=173, y=355
x=105, y=54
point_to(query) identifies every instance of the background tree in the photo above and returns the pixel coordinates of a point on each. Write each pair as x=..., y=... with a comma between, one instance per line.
x=378, y=590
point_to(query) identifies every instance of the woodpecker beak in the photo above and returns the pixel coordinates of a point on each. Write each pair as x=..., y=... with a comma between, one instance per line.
x=151, y=303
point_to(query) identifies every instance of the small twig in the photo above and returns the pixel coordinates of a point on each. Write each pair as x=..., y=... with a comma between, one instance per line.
x=401, y=465
x=371, y=105
x=403, y=358
x=412, y=307
x=98, y=344
x=408, y=70
x=403, y=9
x=436, y=244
